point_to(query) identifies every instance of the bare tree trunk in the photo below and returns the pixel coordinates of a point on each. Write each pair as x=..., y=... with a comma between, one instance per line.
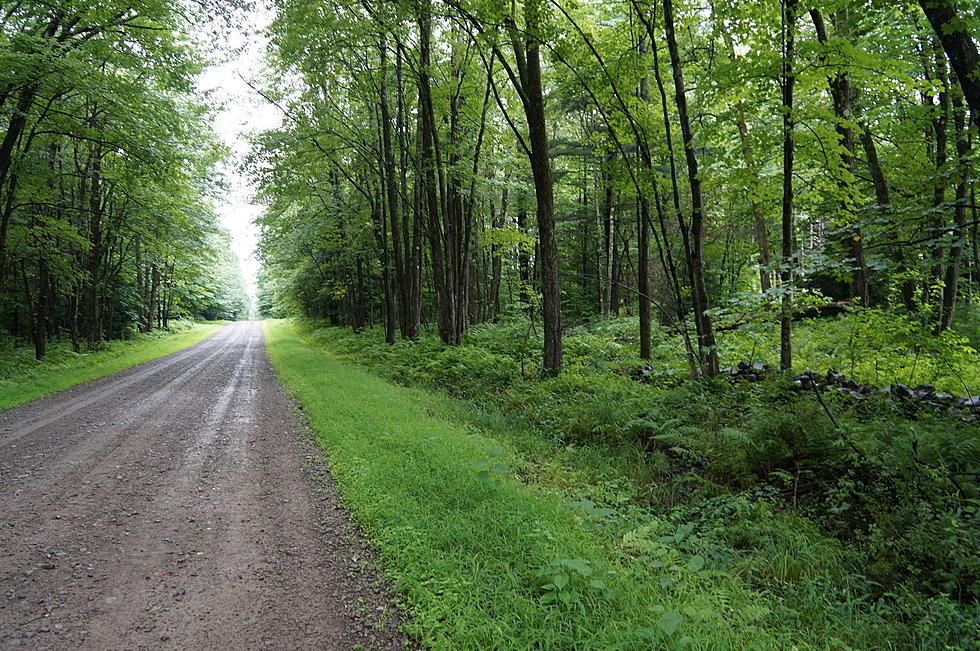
x=940, y=128
x=607, y=234
x=396, y=299
x=151, y=306
x=951, y=284
x=91, y=313
x=706, y=337
x=643, y=233
x=883, y=197
x=498, y=219
x=788, y=255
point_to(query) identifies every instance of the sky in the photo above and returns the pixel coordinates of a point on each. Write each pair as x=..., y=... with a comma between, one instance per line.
x=242, y=111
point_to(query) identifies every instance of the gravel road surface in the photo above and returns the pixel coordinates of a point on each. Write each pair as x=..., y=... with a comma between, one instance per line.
x=179, y=504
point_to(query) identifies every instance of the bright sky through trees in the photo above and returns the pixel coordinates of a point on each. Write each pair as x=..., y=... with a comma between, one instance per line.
x=242, y=111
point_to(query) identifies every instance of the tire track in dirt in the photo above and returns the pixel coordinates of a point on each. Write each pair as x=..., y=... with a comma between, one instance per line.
x=169, y=507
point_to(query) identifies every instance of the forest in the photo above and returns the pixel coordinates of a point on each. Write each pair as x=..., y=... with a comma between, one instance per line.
x=716, y=261
x=108, y=173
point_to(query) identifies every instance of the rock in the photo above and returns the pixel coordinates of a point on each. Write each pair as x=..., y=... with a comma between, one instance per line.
x=901, y=390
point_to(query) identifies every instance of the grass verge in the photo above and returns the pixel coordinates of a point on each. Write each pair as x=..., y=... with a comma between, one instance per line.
x=23, y=378
x=486, y=557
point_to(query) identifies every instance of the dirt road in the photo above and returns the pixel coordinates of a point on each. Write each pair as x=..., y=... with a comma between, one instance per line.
x=177, y=505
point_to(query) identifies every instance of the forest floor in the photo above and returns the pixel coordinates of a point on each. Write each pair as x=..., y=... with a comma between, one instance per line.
x=180, y=504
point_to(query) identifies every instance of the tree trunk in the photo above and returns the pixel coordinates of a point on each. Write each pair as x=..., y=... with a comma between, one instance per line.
x=940, y=128
x=93, y=262
x=788, y=256
x=960, y=47
x=498, y=219
x=543, y=190
x=151, y=306
x=608, y=235
x=643, y=233
x=396, y=299
x=706, y=338
x=952, y=279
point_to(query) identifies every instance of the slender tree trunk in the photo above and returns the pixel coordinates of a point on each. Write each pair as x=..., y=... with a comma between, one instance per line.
x=975, y=238
x=397, y=299
x=897, y=254
x=91, y=313
x=643, y=232
x=952, y=279
x=151, y=307
x=788, y=254
x=434, y=187
x=41, y=308
x=411, y=228
x=706, y=337
x=498, y=219
x=940, y=128
x=607, y=232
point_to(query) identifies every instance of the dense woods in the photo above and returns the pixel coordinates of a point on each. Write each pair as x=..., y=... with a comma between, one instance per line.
x=447, y=162
x=717, y=259
x=106, y=173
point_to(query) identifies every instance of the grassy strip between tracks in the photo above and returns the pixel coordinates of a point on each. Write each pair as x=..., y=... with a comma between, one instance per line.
x=23, y=378
x=484, y=557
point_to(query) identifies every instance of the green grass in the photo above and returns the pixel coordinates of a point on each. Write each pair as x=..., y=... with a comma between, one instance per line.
x=487, y=554
x=23, y=378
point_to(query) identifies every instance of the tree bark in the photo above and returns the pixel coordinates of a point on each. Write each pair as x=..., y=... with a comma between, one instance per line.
x=952, y=279
x=960, y=47
x=706, y=338
x=643, y=231
x=529, y=63
x=788, y=254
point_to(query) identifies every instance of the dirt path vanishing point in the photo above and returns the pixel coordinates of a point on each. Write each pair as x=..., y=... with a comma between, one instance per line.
x=178, y=504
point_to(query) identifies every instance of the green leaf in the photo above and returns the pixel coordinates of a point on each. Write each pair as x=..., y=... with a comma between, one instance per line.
x=669, y=622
